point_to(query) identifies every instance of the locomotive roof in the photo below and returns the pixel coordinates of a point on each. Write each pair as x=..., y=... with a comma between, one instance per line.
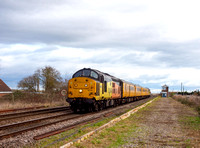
x=112, y=77
x=105, y=74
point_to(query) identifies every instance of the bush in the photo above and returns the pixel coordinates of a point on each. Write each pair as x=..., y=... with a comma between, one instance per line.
x=191, y=100
x=198, y=109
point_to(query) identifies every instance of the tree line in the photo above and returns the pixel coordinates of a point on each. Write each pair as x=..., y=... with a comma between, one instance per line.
x=48, y=77
x=196, y=92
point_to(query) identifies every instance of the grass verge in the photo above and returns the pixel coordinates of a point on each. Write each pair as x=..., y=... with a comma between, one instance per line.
x=192, y=122
x=118, y=134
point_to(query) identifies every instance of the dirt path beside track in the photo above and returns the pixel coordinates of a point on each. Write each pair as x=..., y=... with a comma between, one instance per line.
x=161, y=124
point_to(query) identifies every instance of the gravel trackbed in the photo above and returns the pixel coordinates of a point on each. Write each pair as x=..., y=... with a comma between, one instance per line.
x=160, y=124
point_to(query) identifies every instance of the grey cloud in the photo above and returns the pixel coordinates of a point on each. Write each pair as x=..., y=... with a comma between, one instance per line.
x=31, y=5
x=65, y=32
x=20, y=25
x=168, y=55
x=138, y=60
x=46, y=49
x=145, y=80
x=154, y=77
x=185, y=54
x=27, y=52
x=28, y=22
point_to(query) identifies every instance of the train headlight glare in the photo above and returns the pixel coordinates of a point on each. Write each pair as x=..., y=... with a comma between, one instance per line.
x=80, y=90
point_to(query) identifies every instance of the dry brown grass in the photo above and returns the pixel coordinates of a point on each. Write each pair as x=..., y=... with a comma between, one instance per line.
x=21, y=104
x=23, y=100
x=190, y=100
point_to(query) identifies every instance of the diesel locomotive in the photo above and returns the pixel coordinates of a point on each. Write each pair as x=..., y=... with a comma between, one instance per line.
x=92, y=90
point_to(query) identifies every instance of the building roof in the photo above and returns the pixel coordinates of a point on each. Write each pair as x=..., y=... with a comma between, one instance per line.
x=4, y=87
x=165, y=85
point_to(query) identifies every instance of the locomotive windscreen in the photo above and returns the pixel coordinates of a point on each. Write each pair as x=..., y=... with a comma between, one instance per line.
x=86, y=73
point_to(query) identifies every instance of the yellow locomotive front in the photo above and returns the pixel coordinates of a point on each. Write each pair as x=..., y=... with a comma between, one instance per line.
x=89, y=90
x=84, y=89
x=81, y=87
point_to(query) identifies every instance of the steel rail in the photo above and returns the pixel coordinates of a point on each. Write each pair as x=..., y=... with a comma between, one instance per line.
x=63, y=129
x=17, y=132
x=30, y=113
x=51, y=133
x=19, y=109
x=32, y=121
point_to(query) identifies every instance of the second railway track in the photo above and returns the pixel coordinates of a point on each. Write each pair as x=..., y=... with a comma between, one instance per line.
x=10, y=130
x=32, y=113
x=16, y=129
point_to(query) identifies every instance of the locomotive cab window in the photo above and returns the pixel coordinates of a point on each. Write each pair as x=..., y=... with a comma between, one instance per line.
x=94, y=75
x=78, y=74
x=86, y=73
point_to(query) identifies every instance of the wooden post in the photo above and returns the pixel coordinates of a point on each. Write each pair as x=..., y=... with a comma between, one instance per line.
x=13, y=98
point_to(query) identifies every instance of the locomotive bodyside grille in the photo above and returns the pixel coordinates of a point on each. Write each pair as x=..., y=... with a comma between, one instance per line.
x=97, y=89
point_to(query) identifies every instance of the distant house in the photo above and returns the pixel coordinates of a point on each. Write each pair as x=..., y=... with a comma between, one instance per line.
x=4, y=89
x=165, y=91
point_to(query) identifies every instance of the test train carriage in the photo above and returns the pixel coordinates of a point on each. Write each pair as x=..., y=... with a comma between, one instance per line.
x=92, y=90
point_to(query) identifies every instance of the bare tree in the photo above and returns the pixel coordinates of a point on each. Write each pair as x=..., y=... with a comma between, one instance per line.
x=28, y=84
x=50, y=78
x=63, y=85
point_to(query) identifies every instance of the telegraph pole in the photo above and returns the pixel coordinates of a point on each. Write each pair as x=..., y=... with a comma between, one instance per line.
x=181, y=89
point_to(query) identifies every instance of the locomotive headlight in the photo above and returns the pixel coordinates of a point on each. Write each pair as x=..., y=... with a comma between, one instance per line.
x=85, y=85
x=80, y=90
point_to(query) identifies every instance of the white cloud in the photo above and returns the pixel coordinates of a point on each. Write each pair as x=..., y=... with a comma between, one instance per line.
x=148, y=42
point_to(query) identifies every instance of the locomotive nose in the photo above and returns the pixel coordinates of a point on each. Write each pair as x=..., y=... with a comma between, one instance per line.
x=81, y=87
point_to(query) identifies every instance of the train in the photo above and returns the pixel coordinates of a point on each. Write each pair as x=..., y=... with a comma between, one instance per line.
x=92, y=90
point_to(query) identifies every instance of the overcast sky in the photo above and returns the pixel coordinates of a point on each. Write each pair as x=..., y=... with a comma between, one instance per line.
x=147, y=42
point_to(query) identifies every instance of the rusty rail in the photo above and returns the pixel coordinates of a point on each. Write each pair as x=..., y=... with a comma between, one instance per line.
x=33, y=112
x=19, y=109
x=51, y=133
x=31, y=121
x=17, y=132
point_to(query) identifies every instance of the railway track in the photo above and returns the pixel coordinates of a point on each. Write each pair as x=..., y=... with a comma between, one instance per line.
x=32, y=113
x=31, y=121
x=20, y=109
x=9, y=130
x=57, y=131
x=18, y=128
x=14, y=129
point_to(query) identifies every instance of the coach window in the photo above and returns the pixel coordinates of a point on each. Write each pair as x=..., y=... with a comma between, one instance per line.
x=113, y=84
